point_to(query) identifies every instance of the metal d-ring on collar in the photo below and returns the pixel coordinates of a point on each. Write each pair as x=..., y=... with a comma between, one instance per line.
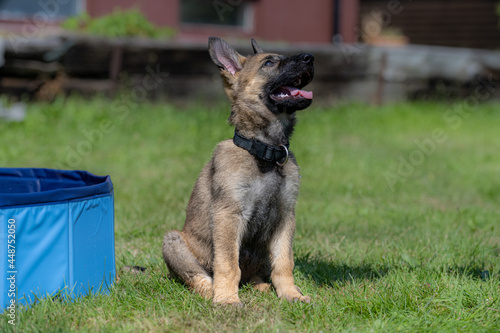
x=262, y=150
x=286, y=157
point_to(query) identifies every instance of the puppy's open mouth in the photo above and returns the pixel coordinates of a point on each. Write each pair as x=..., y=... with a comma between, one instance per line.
x=293, y=91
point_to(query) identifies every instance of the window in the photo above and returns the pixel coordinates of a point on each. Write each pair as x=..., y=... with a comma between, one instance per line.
x=49, y=9
x=236, y=13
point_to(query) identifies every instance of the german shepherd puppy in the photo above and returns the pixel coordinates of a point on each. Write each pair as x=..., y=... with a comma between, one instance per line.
x=240, y=219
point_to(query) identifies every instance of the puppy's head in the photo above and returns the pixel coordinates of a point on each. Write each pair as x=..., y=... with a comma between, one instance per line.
x=271, y=80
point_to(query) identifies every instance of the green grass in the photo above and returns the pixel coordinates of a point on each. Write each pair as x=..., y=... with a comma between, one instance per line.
x=420, y=254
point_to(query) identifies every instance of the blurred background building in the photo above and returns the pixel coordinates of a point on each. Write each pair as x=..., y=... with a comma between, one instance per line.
x=462, y=23
x=345, y=34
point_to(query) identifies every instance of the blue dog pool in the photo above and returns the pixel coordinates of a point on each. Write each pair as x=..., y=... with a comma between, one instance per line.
x=57, y=234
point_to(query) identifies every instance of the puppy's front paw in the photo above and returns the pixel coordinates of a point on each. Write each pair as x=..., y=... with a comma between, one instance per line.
x=297, y=298
x=294, y=295
x=232, y=300
x=302, y=298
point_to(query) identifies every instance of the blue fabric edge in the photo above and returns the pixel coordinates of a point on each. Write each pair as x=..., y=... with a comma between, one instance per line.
x=98, y=186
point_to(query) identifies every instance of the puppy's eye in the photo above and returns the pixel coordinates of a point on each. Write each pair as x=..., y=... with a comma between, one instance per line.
x=269, y=63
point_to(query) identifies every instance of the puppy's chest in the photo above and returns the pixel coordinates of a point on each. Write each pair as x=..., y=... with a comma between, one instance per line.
x=265, y=201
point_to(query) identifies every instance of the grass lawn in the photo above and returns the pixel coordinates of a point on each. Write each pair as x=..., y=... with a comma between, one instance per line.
x=397, y=220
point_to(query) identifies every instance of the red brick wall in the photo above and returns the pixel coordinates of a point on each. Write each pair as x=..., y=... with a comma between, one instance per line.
x=349, y=18
x=294, y=20
x=277, y=20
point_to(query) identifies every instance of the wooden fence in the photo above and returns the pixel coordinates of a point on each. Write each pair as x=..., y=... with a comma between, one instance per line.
x=44, y=67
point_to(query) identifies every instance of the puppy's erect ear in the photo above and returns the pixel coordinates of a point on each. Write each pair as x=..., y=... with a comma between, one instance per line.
x=224, y=56
x=256, y=47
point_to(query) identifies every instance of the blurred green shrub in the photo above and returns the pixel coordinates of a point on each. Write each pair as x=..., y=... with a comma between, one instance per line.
x=498, y=13
x=120, y=23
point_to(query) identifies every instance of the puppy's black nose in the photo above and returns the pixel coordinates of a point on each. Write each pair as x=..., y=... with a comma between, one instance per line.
x=306, y=58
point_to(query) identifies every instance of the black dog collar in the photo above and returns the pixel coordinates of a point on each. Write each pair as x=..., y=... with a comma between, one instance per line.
x=278, y=154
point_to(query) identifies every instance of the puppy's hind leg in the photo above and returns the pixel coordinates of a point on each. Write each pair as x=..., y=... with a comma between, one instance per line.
x=259, y=284
x=182, y=263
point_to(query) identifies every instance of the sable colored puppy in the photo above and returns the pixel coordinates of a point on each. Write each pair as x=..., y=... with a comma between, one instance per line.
x=240, y=219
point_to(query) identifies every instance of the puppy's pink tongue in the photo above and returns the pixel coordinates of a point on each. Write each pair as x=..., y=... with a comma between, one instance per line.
x=304, y=93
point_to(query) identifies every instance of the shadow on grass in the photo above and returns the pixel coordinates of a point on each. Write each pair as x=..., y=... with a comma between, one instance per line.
x=473, y=271
x=326, y=273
